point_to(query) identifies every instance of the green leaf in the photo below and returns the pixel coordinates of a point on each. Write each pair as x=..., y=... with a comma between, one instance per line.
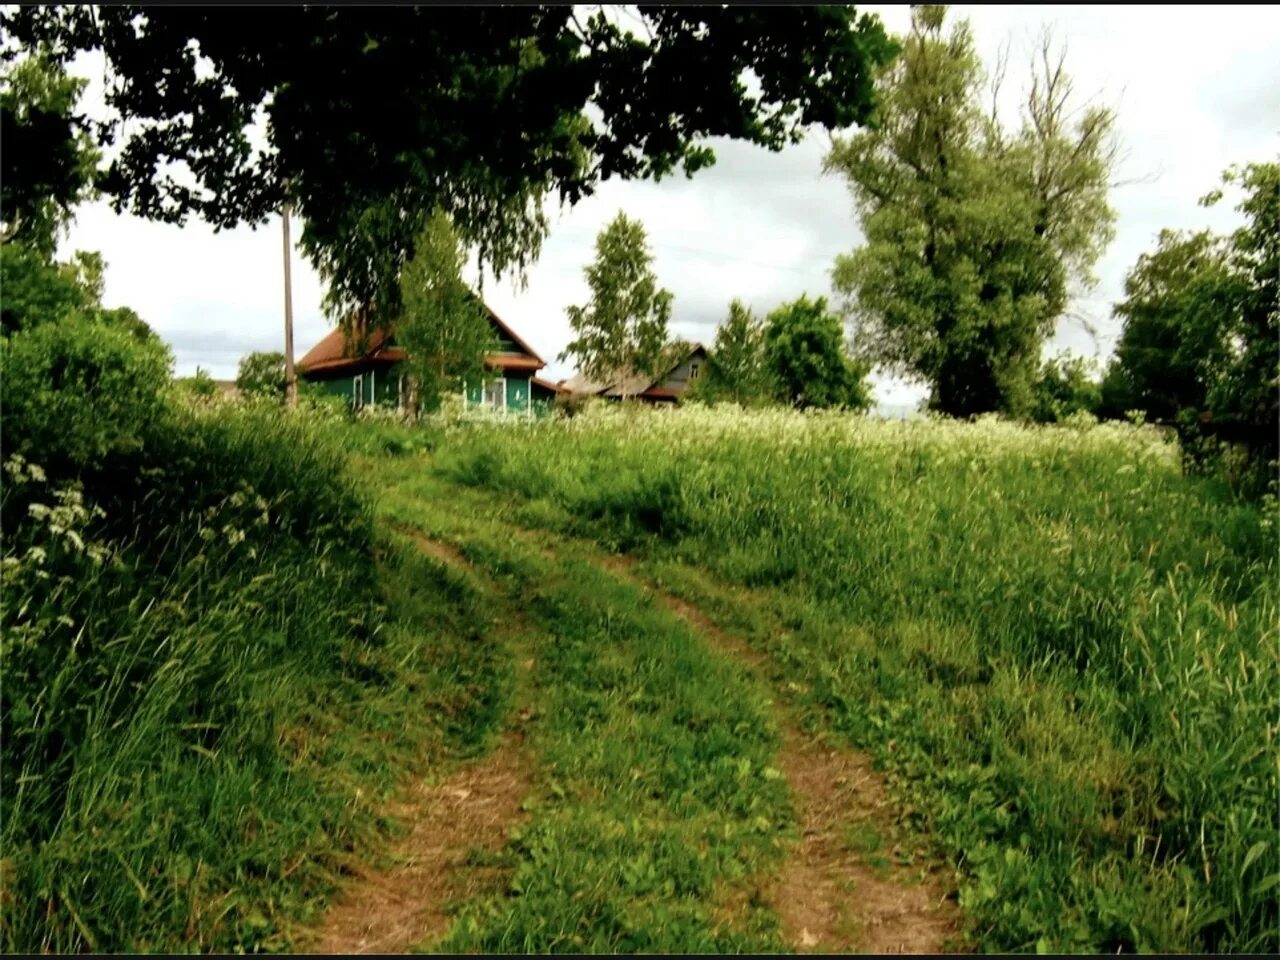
x=1257, y=850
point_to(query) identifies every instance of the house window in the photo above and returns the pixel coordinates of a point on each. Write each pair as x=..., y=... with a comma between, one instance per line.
x=693, y=371
x=495, y=394
x=357, y=391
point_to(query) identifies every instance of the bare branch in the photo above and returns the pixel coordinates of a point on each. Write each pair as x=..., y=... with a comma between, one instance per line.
x=998, y=78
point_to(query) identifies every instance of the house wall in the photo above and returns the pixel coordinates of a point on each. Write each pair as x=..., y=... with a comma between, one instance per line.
x=682, y=376
x=544, y=400
x=379, y=384
x=517, y=392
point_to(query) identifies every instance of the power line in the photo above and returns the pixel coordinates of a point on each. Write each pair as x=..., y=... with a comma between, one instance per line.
x=716, y=255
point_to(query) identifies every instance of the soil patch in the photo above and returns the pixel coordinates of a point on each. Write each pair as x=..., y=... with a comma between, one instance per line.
x=389, y=911
x=440, y=861
x=444, y=552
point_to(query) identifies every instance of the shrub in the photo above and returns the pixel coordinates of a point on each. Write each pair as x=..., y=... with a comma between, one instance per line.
x=77, y=390
x=261, y=374
x=1067, y=385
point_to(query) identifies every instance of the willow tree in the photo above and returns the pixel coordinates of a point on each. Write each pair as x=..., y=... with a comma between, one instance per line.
x=974, y=233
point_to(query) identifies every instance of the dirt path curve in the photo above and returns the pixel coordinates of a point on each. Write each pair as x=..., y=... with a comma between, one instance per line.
x=828, y=898
x=393, y=910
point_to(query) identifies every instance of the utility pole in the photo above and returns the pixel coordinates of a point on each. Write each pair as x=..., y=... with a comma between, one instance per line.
x=290, y=375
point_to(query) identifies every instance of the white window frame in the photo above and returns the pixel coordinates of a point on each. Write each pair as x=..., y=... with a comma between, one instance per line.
x=357, y=391
x=693, y=371
x=484, y=399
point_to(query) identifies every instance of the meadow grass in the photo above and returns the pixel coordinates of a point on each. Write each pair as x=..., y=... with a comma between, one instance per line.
x=221, y=656
x=209, y=683
x=655, y=797
x=1063, y=650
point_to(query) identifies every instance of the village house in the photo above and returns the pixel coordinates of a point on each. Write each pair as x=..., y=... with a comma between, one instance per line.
x=374, y=374
x=685, y=366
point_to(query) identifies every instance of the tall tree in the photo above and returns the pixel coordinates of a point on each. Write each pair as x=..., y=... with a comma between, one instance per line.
x=804, y=353
x=1201, y=323
x=1247, y=389
x=622, y=331
x=1174, y=314
x=973, y=233
x=443, y=327
x=736, y=368
x=48, y=162
x=376, y=116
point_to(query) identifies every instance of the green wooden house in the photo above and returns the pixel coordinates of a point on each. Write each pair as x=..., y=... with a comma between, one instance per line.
x=373, y=374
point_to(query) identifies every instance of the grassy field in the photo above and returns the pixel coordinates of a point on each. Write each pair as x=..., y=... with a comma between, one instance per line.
x=210, y=686
x=227, y=654
x=1062, y=651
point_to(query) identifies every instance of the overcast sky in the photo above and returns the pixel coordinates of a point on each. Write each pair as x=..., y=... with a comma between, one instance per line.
x=1195, y=89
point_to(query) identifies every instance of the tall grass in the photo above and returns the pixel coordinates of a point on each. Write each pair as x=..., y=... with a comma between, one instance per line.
x=1064, y=649
x=204, y=691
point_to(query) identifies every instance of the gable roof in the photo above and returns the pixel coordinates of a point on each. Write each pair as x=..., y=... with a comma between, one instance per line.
x=634, y=385
x=335, y=351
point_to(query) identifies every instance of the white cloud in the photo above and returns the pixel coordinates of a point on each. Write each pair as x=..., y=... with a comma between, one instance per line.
x=1195, y=89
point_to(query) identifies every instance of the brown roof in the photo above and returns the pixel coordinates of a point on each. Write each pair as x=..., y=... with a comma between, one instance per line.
x=332, y=353
x=635, y=385
x=512, y=361
x=548, y=385
x=513, y=336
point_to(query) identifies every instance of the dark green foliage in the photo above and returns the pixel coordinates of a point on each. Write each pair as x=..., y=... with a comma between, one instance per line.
x=48, y=162
x=1066, y=386
x=79, y=390
x=377, y=116
x=261, y=375
x=736, y=369
x=1176, y=305
x=1246, y=390
x=127, y=319
x=38, y=290
x=974, y=232
x=805, y=355
x=1201, y=323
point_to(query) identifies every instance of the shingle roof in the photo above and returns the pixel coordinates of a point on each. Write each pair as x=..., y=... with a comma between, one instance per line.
x=635, y=385
x=549, y=385
x=335, y=350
